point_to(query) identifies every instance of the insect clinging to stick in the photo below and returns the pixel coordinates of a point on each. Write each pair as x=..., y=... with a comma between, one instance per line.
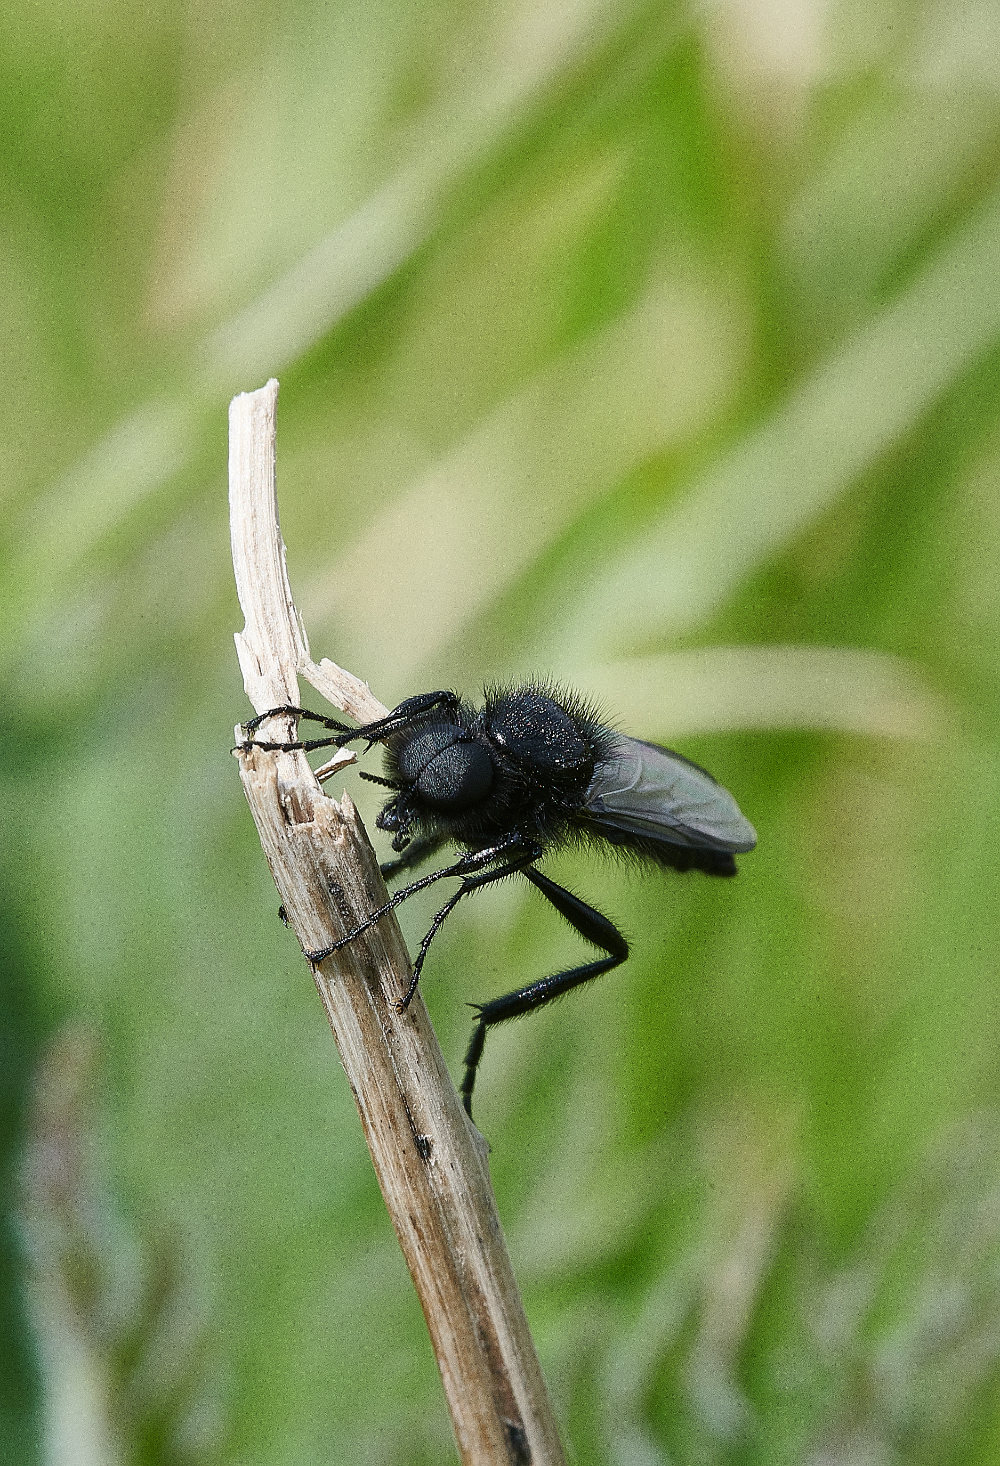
x=533, y=769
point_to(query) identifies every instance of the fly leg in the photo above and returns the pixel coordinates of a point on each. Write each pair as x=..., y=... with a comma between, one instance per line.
x=415, y=854
x=470, y=884
x=469, y=864
x=344, y=734
x=592, y=926
x=411, y=711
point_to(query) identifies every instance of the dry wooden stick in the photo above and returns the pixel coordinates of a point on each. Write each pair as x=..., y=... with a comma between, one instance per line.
x=429, y=1158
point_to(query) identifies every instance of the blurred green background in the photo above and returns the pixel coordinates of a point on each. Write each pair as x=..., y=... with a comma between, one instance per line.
x=650, y=347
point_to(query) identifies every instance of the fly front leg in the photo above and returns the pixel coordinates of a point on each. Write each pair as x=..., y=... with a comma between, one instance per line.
x=412, y=710
x=345, y=733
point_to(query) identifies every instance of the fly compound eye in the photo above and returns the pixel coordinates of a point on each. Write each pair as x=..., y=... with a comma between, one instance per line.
x=456, y=778
x=445, y=768
x=420, y=747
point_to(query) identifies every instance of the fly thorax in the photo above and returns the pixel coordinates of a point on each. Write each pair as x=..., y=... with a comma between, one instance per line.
x=535, y=734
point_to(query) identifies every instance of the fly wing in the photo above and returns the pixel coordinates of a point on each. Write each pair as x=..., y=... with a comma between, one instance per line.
x=642, y=789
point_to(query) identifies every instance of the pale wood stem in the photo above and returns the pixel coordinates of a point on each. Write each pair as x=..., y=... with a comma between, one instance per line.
x=430, y=1160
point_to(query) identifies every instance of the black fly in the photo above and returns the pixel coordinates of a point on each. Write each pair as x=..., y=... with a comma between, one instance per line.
x=531, y=770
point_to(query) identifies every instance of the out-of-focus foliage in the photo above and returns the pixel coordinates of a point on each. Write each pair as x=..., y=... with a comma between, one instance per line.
x=652, y=347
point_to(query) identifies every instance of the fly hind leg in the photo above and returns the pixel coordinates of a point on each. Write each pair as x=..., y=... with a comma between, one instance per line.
x=593, y=927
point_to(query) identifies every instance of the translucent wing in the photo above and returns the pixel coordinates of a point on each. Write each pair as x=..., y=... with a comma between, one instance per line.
x=644, y=790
